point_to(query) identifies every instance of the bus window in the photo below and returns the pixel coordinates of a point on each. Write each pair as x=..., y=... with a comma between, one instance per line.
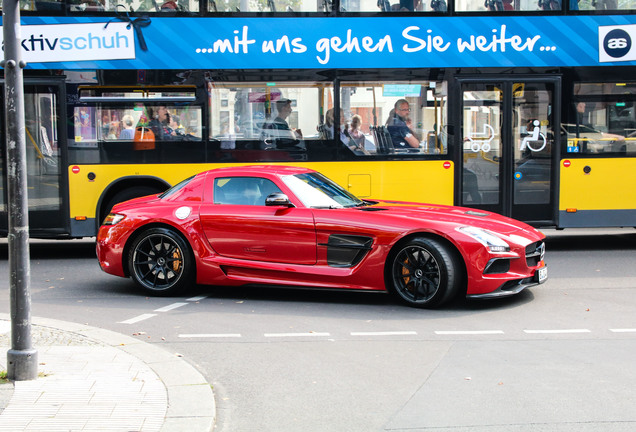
x=393, y=6
x=159, y=6
x=602, y=119
x=605, y=5
x=374, y=126
x=267, y=121
x=268, y=6
x=508, y=5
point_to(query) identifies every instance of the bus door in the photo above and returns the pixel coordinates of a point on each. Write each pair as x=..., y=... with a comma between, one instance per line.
x=508, y=146
x=44, y=134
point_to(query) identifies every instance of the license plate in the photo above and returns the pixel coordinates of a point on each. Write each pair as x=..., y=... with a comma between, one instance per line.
x=542, y=274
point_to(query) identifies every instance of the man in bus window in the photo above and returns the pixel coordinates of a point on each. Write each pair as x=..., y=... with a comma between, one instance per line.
x=277, y=133
x=160, y=123
x=397, y=125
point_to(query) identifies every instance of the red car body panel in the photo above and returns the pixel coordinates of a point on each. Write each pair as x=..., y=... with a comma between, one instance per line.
x=257, y=244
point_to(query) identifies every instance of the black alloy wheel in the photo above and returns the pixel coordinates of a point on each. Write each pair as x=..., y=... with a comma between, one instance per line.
x=161, y=262
x=424, y=273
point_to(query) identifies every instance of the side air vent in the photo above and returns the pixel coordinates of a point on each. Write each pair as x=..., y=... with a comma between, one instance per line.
x=497, y=266
x=347, y=250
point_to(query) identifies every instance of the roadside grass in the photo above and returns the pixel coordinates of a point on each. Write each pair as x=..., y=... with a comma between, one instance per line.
x=4, y=379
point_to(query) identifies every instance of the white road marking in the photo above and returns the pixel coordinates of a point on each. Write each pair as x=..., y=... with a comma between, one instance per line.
x=384, y=333
x=623, y=330
x=211, y=335
x=557, y=331
x=170, y=307
x=313, y=334
x=468, y=332
x=196, y=299
x=137, y=319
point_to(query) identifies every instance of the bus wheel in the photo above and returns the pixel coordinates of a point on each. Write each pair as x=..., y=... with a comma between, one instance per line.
x=125, y=195
x=424, y=273
x=161, y=262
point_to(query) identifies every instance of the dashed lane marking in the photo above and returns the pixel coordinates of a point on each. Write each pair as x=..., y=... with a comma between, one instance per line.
x=196, y=299
x=384, y=333
x=211, y=335
x=468, y=332
x=623, y=330
x=310, y=334
x=137, y=319
x=170, y=307
x=562, y=331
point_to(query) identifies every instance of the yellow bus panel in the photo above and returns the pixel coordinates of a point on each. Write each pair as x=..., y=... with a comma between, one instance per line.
x=597, y=184
x=421, y=181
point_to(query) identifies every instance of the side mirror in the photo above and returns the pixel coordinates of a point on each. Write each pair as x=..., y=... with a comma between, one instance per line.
x=278, y=199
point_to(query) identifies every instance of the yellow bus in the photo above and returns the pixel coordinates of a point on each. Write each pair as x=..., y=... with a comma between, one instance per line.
x=457, y=106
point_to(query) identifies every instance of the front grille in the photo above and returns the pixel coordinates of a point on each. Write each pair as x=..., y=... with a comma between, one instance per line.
x=534, y=253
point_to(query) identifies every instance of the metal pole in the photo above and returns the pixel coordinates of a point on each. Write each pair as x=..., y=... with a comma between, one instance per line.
x=22, y=359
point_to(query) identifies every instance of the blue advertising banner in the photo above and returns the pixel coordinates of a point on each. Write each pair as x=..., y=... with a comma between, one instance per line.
x=345, y=43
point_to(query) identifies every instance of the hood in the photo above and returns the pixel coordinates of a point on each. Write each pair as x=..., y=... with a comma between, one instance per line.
x=452, y=215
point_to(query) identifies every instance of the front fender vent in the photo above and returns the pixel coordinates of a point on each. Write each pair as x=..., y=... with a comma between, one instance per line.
x=347, y=250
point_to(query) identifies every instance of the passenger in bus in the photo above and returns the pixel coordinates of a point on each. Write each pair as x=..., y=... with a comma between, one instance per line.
x=398, y=126
x=277, y=133
x=128, y=131
x=327, y=129
x=160, y=123
x=176, y=128
x=357, y=141
x=112, y=132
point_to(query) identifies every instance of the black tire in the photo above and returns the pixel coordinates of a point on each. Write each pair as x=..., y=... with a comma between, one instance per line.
x=161, y=262
x=424, y=273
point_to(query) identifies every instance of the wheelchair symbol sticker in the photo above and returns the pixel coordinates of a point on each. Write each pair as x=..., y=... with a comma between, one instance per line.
x=482, y=140
x=536, y=138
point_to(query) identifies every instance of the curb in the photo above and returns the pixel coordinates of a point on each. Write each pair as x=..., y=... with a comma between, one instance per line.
x=189, y=394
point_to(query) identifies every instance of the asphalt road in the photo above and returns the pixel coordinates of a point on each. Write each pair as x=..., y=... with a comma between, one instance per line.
x=558, y=357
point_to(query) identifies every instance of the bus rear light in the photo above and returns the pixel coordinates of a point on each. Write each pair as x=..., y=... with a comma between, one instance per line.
x=570, y=210
x=80, y=218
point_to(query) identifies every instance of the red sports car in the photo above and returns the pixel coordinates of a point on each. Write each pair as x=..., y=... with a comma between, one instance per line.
x=293, y=226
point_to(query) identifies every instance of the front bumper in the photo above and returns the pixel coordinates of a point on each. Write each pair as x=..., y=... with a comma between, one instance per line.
x=513, y=287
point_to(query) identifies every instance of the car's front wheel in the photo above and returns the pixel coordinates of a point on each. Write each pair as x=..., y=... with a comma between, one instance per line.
x=161, y=262
x=424, y=273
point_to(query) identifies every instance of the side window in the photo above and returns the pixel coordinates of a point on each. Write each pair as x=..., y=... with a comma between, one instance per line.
x=390, y=6
x=268, y=6
x=601, y=119
x=510, y=5
x=159, y=6
x=397, y=118
x=243, y=190
x=252, y=122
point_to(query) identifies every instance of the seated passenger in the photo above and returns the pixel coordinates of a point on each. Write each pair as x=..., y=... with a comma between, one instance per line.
x=357, y=142
x=128, y=132
x=398, y=126
x=277, y=133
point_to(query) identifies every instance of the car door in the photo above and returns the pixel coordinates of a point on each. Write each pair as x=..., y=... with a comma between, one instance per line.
x=238, y=225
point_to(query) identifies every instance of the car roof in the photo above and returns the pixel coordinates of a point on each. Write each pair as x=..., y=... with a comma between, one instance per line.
x=250, y=170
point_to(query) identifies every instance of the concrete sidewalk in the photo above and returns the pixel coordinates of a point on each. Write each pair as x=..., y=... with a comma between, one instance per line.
x=97, y=380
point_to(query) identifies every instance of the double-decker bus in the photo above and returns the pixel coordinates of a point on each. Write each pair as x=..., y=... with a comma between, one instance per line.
x=522, y=107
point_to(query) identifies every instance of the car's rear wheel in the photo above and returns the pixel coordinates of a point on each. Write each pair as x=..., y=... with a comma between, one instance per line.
x=161, y=262
x=424, y=273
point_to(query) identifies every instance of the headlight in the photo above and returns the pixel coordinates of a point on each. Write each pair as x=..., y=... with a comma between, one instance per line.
x=488, y=239
x=113, y=219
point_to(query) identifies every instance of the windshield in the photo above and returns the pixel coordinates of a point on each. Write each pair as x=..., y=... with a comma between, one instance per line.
x=175, y=188
x=317, y=191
